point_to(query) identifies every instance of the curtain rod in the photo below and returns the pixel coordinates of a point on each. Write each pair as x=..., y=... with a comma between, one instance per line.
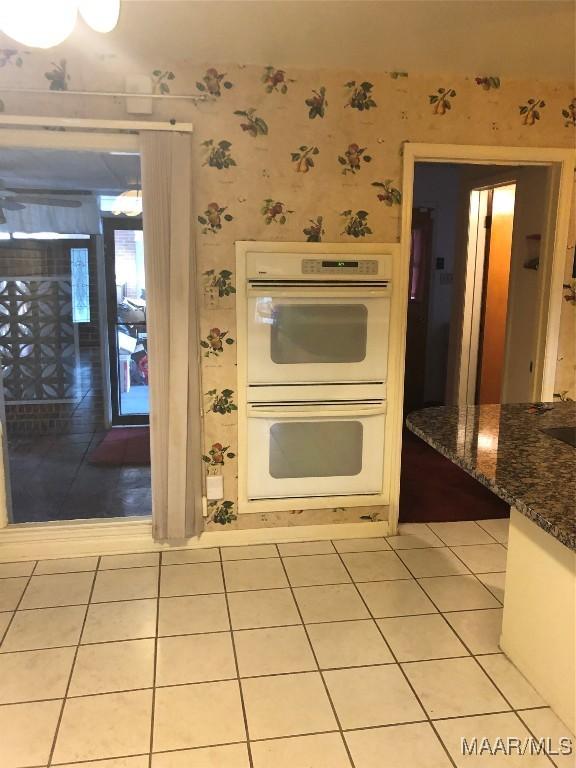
x=122, y=94
x=134, y=126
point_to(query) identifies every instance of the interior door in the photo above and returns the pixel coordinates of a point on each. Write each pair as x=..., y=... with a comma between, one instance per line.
x=127, y=333
x=418, y=301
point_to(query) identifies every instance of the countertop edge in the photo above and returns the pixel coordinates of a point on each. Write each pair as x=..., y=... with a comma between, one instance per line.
x=525, y=509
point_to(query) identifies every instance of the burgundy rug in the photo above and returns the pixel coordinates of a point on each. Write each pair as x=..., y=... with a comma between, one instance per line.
x=433, y=489
x=123, y=446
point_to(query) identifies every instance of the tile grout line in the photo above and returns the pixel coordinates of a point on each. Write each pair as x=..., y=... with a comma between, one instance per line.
x=241, y=546
x=64, y=699
x=399, y=666
x=474, y=656
x=19, y=601
x=240, y=689
x=224, y=631
x=281, y=738
x=155, y=665
x=532, y=732
x=482, y=574
x=320, y=671
x=272, y=674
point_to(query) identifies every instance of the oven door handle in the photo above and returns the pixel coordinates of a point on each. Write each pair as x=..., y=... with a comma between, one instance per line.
x=315, y=412
x=318, y=293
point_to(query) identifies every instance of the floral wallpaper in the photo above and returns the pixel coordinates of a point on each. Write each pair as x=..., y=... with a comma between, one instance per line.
x=296, y=155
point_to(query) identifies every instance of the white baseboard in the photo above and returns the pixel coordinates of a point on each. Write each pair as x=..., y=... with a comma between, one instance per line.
x=38, y=541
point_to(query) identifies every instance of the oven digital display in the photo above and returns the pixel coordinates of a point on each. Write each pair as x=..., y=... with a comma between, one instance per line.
x=350, y=264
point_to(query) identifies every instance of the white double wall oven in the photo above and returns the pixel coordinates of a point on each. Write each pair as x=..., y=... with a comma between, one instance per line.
x=313, y=352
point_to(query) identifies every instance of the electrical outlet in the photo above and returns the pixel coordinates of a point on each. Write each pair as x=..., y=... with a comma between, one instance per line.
x=214, y=487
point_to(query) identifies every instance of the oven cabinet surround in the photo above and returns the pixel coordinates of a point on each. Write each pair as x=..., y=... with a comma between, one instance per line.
x=505, y=448
x=539, y=621
x=369, y=431
x=296, y=174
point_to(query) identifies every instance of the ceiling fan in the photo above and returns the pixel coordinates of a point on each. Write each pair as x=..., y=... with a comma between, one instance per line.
x=13, y=200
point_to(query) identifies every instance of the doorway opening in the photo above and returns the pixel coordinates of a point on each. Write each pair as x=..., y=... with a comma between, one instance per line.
x=66, y=459
x=127, y=329
x=472, y=321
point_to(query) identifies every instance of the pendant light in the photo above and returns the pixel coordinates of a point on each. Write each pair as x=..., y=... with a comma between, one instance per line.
x=38, y=23
x=47, y=23
x=101, y=15
x=128, y=203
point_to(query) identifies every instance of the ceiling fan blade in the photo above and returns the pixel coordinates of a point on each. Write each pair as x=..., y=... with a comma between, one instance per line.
x=42, y=200
x=11, y=205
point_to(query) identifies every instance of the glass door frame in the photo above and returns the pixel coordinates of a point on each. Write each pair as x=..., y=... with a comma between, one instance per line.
x=110, y=225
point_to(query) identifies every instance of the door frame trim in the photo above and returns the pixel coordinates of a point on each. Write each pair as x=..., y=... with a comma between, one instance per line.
x=562, y=163
x=114, y=136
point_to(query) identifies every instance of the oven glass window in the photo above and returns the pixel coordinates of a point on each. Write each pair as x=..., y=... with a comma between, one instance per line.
x=318, y=333
x=315, y=449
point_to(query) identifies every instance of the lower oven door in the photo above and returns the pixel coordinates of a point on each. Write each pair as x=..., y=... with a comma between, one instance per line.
x=305, y=450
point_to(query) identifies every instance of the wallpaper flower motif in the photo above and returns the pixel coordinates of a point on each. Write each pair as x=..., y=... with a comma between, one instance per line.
x=213, y=217
x=360, y=95
x=215, y=341
x=396, y=75
x=352, y=158
x=570, y=292
x=213, y=82
x=222, y=402
x=317, y=103
x=388, y=194
x=356, y=224
x=11, y=56
x=222, y=513
x=221, y=281
x=254, y=125
x=276, y=80
x=569, y=114
x=218, y=154
x=488, y=83
x=315, y=230
x=274, y=211
x=160, y=81
x=304, y=158
x=58, y=77
x=531, y=111
x=217, y=455
x=441, y=100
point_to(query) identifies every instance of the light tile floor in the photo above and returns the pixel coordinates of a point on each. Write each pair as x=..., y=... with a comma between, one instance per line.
x=367, y=653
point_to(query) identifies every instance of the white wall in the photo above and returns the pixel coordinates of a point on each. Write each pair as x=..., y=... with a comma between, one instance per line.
x=525, y=284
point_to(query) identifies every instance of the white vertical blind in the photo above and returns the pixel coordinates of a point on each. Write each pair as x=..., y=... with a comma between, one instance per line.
x=172, y=317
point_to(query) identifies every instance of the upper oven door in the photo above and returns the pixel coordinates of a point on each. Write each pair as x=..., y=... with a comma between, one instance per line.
x=309, y=335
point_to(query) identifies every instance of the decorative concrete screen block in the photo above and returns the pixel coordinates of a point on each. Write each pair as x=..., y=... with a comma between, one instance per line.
x=37, y=339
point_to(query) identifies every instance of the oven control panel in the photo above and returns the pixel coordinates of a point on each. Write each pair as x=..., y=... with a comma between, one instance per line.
x=339, y=267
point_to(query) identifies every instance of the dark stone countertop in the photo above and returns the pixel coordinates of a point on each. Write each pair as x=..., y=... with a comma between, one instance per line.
x=503, y=447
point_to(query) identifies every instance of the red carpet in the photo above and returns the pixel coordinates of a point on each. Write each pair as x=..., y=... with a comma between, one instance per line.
x=432, y=489
x=123, y=446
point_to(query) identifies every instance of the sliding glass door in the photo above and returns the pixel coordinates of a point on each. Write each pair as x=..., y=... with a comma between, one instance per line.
x=127, y=334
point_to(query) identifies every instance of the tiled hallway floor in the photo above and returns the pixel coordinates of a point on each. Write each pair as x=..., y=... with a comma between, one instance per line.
x=52, y=479
x=371, y=653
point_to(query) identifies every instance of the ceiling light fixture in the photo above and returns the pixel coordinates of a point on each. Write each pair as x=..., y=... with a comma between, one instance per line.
x=128, y=203
x=101, y=15
x=47, y=23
